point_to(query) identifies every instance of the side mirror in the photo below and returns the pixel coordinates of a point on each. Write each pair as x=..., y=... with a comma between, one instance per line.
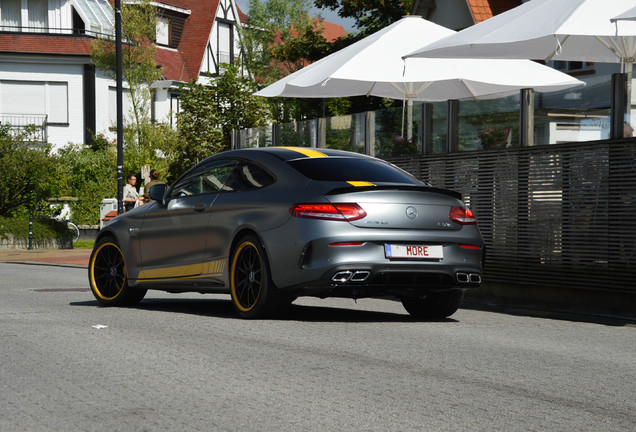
x=157, y=191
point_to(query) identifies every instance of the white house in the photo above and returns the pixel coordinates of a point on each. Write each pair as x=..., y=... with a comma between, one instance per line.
x=47, y=79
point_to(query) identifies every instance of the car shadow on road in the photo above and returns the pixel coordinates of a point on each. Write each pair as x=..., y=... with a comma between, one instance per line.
x=546, y=311
x=220, y=308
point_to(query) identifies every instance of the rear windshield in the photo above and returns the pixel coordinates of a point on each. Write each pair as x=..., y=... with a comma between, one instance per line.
x=352, y=169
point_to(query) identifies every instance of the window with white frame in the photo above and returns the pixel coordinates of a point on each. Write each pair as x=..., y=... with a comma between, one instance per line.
x=38, y=14
x=11, y=15
x=35, y=98
x=96, y=14
x=163, y=31
x=225, y=50
x=175, y=108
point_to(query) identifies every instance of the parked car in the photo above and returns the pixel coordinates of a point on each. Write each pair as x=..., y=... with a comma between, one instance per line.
x=268, y=225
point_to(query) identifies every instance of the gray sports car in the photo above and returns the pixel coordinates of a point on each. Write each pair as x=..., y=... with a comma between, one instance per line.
x=271, y=224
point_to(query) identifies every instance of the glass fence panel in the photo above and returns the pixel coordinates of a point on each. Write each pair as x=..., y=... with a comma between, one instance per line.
x=392, y=131
x=489, y=124
x=440, y=126
x=577, y=114
x=298, y=134
x=574, y=115
x=345, y=132
x=255, y=137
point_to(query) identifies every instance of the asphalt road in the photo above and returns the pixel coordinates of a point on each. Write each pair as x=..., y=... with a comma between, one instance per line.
x=184, y=362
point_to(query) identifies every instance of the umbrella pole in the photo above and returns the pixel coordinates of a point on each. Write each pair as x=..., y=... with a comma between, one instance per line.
x=402, y=131
x=628, y=106
x=409, y=119
x=526, y=118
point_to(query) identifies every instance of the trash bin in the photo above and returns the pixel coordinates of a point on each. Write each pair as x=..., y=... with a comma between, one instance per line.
x=105, y=207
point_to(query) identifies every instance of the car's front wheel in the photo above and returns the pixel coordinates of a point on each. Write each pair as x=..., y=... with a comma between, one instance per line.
x=107, y=275
x=435, y=305
x=253, y=292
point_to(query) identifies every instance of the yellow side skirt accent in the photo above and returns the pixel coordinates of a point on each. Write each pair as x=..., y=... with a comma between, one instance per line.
x=191, y=271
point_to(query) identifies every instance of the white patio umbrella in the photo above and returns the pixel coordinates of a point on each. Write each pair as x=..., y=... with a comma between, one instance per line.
x=628, y=15
x=578, y=30
x=374, y=66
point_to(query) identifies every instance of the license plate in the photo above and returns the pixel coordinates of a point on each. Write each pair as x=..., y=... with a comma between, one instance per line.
x=414, y=251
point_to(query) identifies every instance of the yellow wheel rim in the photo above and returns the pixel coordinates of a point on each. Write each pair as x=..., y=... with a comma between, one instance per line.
x=246, y=277
x=108, y=271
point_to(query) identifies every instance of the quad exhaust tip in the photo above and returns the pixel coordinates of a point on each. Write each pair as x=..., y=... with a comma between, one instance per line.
x=351, y=276
x=471, y=278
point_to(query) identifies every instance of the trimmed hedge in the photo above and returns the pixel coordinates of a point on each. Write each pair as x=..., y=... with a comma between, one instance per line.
x=47, y=233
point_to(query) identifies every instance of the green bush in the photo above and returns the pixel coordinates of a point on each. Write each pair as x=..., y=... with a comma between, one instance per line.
x=155, y=148
x=44, y=229
x=29, y=173
x=90, y=176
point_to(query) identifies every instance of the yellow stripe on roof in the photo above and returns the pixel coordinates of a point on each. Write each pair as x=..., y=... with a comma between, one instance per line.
x=360, y=183
x=307, y=152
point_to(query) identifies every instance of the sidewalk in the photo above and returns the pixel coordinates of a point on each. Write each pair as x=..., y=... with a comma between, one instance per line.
x=60, y=257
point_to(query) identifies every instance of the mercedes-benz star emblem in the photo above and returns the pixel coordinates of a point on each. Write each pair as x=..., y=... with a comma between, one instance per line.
x=411, y=212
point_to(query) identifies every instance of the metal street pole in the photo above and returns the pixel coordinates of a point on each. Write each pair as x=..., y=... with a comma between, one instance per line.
x=120, y=121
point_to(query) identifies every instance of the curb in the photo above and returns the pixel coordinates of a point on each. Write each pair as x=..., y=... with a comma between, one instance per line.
x=50, y=264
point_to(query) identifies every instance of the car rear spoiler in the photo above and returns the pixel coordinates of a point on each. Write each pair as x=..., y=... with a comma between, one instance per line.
x=404, y=187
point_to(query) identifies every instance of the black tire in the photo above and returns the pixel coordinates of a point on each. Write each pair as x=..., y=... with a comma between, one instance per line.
x=253, y=292
x=435, y=305
x=107, y=276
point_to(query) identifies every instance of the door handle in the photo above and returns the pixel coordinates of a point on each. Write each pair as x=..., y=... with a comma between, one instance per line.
x=199, y=207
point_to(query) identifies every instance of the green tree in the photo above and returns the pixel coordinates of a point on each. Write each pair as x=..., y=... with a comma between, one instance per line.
x=280, y=38
x=156, y=149
x=29, y=172
x=370, y=15
x=235, y=105
x=88, y=175
x=197, y=126
x=139, y=68
x=210, y=113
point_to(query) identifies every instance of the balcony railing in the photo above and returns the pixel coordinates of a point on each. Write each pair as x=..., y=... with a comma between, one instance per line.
x=106, y=33
x=29, y=127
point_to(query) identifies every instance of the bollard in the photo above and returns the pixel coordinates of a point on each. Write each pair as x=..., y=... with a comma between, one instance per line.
x=30, y=231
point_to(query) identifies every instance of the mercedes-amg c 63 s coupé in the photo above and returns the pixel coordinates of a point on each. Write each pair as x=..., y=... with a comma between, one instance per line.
x=268, y=225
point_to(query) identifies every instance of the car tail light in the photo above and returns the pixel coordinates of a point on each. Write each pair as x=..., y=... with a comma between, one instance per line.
x=338, y=211
x=462, y=215
x=470, y=247
x=346, y=244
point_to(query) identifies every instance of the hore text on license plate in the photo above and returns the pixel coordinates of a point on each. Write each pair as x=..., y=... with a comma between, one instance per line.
x=414, y=251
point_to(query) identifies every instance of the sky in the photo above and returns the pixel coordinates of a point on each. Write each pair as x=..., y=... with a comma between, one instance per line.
x=326, y=14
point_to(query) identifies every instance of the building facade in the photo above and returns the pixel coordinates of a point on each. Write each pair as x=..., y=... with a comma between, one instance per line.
x=46, y=75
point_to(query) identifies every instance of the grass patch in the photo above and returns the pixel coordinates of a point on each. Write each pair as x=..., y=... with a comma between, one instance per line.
x=84, y=244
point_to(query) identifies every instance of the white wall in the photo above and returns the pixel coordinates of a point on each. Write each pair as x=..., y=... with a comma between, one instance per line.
x=102, y=101
x=162, y=105
x=106, y=101
x=59, y=71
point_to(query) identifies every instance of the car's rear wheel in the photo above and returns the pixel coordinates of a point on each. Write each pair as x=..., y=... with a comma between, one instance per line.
x=253, y=292
x=107, y=276
x=435, y=305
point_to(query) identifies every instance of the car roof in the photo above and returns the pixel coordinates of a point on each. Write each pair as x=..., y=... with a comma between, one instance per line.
x=295, y=153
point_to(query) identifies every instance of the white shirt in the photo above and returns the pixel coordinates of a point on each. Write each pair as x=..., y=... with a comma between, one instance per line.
x=130, y=192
